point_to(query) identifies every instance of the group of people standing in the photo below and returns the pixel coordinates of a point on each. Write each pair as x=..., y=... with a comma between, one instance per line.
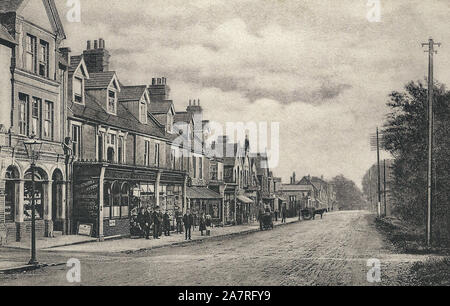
x=158, y=223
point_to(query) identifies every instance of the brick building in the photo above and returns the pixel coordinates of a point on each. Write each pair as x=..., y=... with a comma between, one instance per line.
x=33, y=78
x=124, y=159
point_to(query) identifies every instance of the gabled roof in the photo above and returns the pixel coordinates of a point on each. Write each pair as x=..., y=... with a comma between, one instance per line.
x=101, y=80
x=77, y=62
x=6, y=37
x=158, y=108
x=182, y=117
x=132, y=93
x=17, y=6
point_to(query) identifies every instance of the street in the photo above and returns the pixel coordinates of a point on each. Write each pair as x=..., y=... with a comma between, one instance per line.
x=332, y=251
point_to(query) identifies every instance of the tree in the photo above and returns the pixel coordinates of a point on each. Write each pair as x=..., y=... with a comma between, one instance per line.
x=348, y=195
x=405, y=135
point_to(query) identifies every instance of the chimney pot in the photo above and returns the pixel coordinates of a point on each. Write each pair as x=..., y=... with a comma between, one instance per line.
x=95, y=44
x=198, y=102
x=101, y=43
x=153, y=81
x=88, y=45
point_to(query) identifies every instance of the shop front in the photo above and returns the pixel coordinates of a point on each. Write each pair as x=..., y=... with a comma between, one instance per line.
x=243, y=209
x=205, y=201
x=16, y=194
x=108, y=197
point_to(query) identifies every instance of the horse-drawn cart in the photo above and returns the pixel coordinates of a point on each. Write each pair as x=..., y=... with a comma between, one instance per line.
x=267, y=221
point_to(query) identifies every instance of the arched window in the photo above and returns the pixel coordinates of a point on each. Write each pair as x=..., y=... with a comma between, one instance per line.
x=125, y=200
x=116, y=200
x=12, y=174
x=106, y=200
x=39, y=178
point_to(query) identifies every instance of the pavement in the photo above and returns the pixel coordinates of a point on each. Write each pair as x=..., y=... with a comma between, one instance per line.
x=82, y=244
x=132, y=245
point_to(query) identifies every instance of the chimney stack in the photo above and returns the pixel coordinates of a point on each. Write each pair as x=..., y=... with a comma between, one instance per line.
x=97, y=59
x=159, y=90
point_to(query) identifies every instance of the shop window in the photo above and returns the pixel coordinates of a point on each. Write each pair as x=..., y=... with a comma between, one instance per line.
x=125, y=201
x=10, y=186
x=115, y=211
x=106, y=201
x=38, y=196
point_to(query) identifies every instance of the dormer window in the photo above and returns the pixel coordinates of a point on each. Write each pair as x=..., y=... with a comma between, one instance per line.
x=112, y=102
x=170, y=123
x=143, y=111
x=78, y=90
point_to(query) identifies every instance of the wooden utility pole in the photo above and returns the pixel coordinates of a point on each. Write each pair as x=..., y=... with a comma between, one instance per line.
x=379, y=173
x=431, y=53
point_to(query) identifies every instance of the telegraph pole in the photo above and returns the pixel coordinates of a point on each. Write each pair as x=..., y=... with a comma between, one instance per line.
x=431, y=53
x=379, y=173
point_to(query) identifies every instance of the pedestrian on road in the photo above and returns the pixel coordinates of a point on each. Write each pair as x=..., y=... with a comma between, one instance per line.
x=156, y=223
x=260, y=216
x=283, y=214
x=202, y=226
x=276, y=215
x=166, y=224
x=140, y=220
x=188, y=221
x=179, y=219
x=147, y=222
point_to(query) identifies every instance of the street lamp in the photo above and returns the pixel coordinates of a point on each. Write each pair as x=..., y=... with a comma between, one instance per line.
x=33, y=148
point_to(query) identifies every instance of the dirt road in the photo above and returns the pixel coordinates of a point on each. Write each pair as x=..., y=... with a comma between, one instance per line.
x=332, y=251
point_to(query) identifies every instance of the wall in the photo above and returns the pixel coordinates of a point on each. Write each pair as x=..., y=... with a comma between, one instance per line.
x=5, y=86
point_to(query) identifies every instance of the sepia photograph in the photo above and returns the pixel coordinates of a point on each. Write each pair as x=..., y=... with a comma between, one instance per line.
x=222, y=149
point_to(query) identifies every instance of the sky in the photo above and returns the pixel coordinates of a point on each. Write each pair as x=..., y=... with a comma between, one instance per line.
x=318, y=67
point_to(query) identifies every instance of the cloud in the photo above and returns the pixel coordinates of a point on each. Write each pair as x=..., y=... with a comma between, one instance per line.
x=316, y=66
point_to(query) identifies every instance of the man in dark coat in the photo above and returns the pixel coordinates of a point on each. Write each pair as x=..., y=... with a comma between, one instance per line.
x=188, y=221
x=156, y=223
x=179, y=219
x=166, y=224
x=260, y=216
x=147, y=223
x=140, y=220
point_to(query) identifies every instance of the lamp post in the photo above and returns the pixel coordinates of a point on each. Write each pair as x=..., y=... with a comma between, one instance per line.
x=33, y=148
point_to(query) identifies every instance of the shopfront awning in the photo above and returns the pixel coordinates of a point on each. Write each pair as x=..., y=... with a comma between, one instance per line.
x=202, y=193
x=244, y=199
